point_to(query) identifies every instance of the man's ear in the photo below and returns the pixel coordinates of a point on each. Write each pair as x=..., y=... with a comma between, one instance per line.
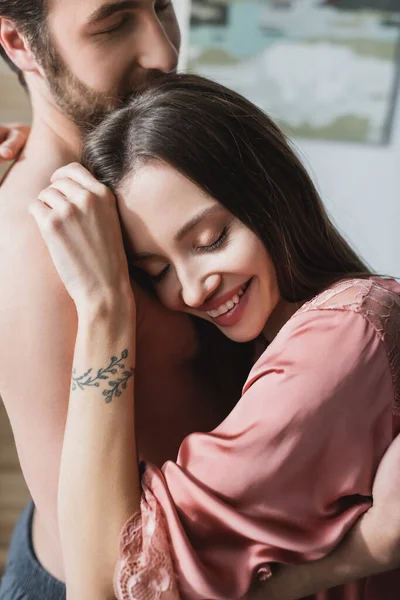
x=16, y=46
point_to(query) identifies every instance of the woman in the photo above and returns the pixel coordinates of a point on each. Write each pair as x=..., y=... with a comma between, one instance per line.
x=226, y=225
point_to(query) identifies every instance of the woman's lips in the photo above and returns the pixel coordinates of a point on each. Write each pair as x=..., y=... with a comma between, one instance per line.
x=234, y=315
x=215, y=303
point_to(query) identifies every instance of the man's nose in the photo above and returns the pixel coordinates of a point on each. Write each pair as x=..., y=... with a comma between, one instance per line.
x=155, y=51
x=195, y=292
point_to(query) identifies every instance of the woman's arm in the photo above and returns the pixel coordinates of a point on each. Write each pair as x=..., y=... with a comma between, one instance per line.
x=99, y=485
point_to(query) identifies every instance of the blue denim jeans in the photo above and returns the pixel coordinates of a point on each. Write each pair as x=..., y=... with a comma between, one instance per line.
x=24, y=577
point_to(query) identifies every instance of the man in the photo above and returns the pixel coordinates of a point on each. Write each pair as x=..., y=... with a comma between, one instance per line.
x=79, y=59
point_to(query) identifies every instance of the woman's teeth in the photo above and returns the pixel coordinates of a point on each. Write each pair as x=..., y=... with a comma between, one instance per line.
x=224, y=308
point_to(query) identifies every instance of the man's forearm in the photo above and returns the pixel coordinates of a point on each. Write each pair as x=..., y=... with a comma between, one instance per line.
x=367, y=549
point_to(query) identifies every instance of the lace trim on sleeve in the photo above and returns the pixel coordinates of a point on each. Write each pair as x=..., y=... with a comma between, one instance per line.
x=144, y=569
x=379, y=306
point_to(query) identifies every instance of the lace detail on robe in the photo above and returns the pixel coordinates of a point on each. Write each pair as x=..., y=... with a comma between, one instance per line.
x=144, y=570
x=379, y=306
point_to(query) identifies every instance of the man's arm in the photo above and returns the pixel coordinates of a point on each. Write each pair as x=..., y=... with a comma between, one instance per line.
x=37, y=329
x=372, y=546
x=356, y=557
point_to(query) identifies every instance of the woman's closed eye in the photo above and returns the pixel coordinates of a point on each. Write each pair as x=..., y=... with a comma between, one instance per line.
x=157, y=278
x=222, y=238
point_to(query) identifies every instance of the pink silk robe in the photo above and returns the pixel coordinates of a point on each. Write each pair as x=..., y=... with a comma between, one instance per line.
x=290, y=469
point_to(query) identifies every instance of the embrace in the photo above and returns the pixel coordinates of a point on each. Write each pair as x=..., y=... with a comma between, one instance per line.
x=211, y=379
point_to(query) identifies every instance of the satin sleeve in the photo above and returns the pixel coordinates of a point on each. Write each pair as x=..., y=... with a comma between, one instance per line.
x=283, y=478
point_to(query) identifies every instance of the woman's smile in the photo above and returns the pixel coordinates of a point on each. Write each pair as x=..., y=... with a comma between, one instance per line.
x=200, y=258
x=228, y=312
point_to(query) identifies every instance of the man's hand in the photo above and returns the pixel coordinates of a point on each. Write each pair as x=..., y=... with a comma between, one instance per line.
x=12, y=140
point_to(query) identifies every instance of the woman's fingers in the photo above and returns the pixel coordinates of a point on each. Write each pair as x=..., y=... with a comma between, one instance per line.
x=83, y=235
x=38, y=210
x=75, y=193
x=63, y=195
x=54, y=199
x=77, y=173
x=12, y=140
x=50, y=208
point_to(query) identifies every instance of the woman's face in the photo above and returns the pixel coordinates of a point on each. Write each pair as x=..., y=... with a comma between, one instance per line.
x=201, y=259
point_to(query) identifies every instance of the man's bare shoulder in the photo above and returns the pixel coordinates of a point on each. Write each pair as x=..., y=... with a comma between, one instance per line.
x=28, y=176
x=25, y=263
x=21, y=185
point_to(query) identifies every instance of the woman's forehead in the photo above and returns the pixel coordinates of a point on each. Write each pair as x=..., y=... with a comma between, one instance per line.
x=160, y=201
x=159, y=190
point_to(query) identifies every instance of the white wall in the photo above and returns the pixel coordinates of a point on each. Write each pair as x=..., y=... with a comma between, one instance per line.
x=361, y=188
x=359, y=184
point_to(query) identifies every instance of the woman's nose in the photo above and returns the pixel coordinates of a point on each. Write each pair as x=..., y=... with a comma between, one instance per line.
x=196, y=292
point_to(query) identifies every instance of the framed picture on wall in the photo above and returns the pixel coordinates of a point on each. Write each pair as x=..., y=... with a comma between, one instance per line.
x=324, y=69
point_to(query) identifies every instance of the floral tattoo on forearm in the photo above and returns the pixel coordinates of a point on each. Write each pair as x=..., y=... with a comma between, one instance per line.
x=116, y=369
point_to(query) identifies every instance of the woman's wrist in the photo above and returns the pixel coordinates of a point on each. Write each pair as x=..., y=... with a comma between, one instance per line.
x=108, y=307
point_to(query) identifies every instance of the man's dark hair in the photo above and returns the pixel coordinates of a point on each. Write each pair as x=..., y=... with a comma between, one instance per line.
x=30, y=18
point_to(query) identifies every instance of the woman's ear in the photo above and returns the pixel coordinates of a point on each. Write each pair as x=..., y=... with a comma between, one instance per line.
x=16, y=46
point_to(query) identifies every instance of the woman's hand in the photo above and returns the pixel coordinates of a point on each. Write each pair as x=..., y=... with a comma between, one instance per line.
x=78, y=220
x=12, y=140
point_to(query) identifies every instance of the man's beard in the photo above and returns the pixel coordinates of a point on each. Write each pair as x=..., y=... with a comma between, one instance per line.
x=85, y=107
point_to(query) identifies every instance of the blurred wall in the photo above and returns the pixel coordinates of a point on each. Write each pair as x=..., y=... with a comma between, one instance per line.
x=361, y=189
x=14, y=103
x=359, y=184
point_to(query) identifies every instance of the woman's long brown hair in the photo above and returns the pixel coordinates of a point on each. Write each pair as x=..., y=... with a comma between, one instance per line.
x=235, y=153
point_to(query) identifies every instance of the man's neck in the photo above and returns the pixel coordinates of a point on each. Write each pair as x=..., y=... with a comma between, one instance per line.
x=51, y=128
x=54, y=142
